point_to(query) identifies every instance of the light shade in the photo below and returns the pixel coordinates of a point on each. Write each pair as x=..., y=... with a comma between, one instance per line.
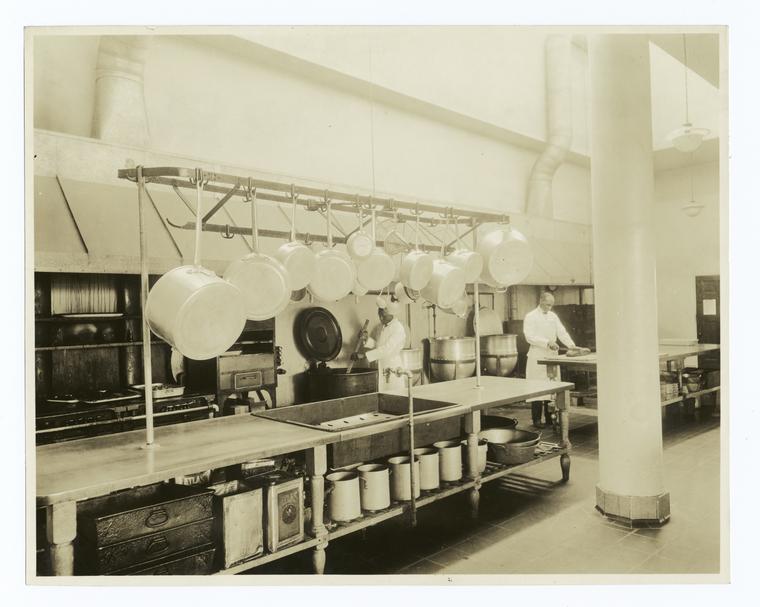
x=692, y=209
x=687, y=138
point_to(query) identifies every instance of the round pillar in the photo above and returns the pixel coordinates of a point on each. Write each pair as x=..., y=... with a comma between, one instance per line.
x=631, y=485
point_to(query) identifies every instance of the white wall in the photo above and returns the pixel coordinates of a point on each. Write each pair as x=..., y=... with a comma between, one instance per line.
x=281, y=122
x=686, y=246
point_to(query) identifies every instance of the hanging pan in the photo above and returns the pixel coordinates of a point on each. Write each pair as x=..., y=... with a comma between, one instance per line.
x=193, y=309
x=470, y=261
x=376, y=271
x=335, y=273
x=263, y=280
x=297, y=258
x=416, y=266
x=507, y=257
x=447, y=283
x=360, y=244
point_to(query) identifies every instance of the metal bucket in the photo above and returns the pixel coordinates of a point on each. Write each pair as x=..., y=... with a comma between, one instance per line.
x=326, y=383
x=412, y=360
x=498, y=354
x=452, y=358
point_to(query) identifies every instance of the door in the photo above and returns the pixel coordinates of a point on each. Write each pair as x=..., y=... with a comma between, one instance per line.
x=708, y=318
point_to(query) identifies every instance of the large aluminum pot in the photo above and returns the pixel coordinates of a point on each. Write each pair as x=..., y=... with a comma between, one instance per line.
x=400, y=481
x=196, y=312
x=452, y=358
x=498, y=354
x=412, y=359
x=376, y=271
x=510, y=446
x=416, y=269
x=374, y=487
x=471, y=262
x=343, y=501
x=334, y=275
x=326, y=383
x=297, y=258
x=264, y=282
x=507, y=257
x=446, y=284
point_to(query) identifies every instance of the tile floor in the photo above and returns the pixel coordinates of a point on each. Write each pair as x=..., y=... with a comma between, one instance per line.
x=531, y=523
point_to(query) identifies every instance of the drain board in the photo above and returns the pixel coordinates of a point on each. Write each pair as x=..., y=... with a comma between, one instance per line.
x=356, y=421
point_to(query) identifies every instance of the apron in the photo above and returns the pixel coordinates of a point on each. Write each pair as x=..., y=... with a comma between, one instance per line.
x=542, y=326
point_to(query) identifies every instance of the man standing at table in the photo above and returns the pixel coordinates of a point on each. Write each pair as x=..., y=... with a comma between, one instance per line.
x=542, y=328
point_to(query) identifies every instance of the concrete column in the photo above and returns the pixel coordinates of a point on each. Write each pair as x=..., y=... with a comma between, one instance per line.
x=631, y=485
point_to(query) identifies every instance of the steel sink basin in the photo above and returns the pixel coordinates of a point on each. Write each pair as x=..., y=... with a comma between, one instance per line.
x=342, y=414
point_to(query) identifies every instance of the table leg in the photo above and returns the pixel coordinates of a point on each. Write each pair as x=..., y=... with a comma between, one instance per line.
x=563, y=399
x=61, y=531
x=472, y=428
x=316, y=464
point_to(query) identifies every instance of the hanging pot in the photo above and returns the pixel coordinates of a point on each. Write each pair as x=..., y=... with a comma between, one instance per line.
x=446, y=284
x=376, y=271
x=360, y=244
x=264, y=281
x=297, y=258
x=416, y=266
x=471, y=262
x=191, y=308
x=334, y=273
x=507, y=257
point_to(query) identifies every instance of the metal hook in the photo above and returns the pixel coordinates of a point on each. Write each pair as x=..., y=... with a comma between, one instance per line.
x=226, y=234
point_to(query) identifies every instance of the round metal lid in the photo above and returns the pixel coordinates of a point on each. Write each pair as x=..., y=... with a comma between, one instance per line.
x=318, y=334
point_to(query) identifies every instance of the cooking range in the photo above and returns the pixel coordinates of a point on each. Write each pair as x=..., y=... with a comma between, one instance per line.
x=68, y=416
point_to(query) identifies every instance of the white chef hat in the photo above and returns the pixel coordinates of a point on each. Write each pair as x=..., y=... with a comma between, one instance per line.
x=389, y=305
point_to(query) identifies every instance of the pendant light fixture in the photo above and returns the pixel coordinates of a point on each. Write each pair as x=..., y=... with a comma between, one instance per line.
x=692, y=208
x=687, y=138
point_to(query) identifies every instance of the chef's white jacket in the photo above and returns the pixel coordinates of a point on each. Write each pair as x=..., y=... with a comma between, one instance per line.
x=386, y=350
x=540, y=330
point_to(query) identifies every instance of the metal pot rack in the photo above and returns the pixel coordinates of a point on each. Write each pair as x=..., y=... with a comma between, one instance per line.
x=311, y=198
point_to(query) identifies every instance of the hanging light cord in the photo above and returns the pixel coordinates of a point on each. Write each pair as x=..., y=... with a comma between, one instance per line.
x=691, y=176
x=686, y=78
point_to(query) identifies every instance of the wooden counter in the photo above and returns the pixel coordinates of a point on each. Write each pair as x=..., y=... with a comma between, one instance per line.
x=77, y=470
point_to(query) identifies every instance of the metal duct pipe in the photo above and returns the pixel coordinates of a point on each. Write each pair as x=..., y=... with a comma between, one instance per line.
x=119, y=114
x=559, y=126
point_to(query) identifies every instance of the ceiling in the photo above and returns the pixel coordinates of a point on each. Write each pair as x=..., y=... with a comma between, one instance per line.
x=702, y=53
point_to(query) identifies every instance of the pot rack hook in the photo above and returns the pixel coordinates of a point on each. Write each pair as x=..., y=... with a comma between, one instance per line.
x=227, y=234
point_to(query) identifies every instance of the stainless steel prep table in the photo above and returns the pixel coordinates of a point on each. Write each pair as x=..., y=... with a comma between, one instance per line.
x=673, y=355
x=78, y=470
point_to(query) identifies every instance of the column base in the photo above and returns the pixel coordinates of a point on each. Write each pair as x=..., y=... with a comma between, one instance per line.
x=634, y=510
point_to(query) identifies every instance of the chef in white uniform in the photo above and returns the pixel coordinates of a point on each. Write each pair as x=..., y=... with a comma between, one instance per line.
x=386, y=349
x=542, y=328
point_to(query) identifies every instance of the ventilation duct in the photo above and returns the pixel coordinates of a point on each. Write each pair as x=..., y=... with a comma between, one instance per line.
x=559, y=126
x=119, y=114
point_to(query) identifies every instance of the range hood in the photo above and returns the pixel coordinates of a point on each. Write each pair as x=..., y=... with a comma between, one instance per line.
x=81, y=226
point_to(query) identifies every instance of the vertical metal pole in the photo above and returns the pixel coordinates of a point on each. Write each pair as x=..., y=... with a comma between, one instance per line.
x=147, y=368
x=412, y=475
x=476, y=318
